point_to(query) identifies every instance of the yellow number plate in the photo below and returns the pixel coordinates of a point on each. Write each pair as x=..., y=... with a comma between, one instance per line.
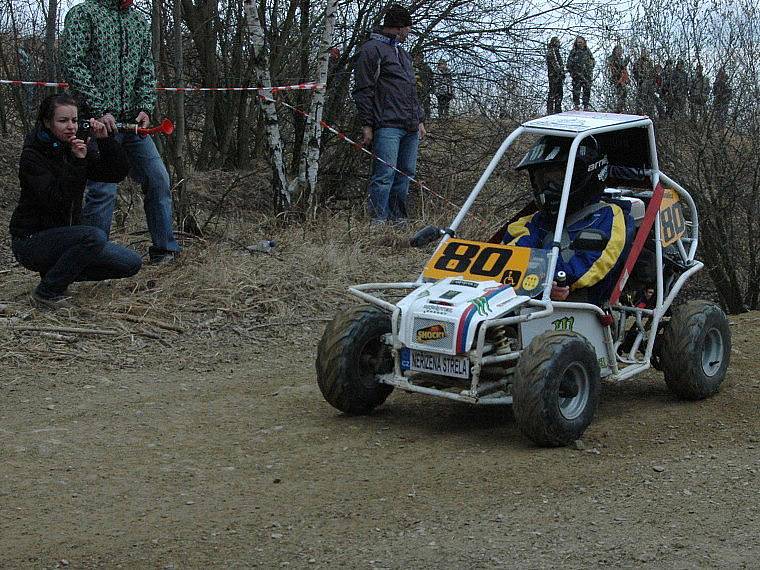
x=479, y=261
x=672, y=222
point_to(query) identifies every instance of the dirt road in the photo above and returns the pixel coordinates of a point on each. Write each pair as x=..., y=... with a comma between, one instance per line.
x=230, y=458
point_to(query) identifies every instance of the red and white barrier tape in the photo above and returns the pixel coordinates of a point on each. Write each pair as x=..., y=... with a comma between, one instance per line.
x=310, y=86
x=313, y=85
x=34, y=83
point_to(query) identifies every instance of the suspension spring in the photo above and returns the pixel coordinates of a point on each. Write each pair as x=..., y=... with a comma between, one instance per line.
x=501, y=340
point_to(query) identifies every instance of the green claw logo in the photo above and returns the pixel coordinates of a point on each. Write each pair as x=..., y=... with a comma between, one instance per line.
x=481, y=304
x=564, y=324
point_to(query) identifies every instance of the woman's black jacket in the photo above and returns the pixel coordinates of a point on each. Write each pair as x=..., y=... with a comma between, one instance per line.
x=53, y=180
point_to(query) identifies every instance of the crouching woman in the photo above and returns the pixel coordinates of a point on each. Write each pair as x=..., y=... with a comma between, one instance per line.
x=45, y=227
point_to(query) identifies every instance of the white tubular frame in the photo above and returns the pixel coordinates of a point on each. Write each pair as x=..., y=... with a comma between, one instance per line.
x=489, y=393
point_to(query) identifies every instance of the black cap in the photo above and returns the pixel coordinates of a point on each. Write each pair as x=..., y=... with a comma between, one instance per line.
x=396, y=16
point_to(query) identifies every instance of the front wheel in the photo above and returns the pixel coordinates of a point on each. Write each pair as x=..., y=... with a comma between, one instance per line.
x=696, y=350
x=351, y=356
x=556, y=388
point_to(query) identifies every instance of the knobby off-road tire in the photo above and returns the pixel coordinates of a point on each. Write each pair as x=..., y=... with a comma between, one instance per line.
x=350, y=356
x=696, y=350
x=556, y=388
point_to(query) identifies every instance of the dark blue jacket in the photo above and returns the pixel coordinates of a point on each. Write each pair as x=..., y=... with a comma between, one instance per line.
x=594, y=270
x=385, y=90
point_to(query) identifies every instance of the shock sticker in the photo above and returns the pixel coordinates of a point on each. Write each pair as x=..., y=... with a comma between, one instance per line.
x=431, y=333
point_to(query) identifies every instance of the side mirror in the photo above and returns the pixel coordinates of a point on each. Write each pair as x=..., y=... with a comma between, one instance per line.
x=429, y=234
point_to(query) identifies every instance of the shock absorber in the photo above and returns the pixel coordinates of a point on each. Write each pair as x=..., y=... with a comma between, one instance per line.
x=501, y=340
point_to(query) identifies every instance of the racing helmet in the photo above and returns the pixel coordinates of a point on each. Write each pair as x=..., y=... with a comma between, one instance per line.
x=546, y=162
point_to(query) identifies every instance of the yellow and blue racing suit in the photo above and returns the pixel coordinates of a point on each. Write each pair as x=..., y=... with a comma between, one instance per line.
x=593, y=271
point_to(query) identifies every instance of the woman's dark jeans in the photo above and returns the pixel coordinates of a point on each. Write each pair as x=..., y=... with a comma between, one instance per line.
x=73, y=253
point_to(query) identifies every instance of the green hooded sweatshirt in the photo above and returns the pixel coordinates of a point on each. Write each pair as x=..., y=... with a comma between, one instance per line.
x=107, y=60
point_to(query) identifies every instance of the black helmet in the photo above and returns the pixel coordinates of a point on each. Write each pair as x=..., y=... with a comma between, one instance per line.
x=546, y=162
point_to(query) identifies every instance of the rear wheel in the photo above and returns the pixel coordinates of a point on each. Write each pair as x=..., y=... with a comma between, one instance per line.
x=556, y=389
x=351, y=356
x=696, y=350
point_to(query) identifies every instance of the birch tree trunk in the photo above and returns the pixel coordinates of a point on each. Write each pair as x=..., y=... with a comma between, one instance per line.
x=282, y=193
x=50, y=33
x=309, y=167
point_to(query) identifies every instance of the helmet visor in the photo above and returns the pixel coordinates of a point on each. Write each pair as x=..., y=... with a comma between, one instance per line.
x=549, y=177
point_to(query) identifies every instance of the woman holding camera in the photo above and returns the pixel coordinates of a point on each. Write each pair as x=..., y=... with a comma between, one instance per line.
x=45, y=227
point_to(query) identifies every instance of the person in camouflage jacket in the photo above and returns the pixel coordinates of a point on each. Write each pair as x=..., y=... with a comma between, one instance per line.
x=105, y=52
x=617, y=66
x=679, y=88
x=580, y=64
x=722, y=95
x=699, y=92
x=555, y=69
x=107, y=60
x=646, y=84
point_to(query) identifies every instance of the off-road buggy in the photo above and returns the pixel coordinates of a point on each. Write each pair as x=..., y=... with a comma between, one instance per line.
x=479, y=325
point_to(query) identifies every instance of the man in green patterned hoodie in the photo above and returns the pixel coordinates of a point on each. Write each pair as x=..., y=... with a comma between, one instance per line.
x=107, y=60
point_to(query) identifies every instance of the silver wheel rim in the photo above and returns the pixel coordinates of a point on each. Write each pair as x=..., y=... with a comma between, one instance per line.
x=712, y=352
x=576, y=375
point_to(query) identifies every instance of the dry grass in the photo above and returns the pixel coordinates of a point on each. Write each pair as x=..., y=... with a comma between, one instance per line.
x=215, y=292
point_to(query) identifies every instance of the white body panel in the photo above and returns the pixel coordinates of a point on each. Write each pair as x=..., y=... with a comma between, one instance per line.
x=579, y=321
x=443, y=317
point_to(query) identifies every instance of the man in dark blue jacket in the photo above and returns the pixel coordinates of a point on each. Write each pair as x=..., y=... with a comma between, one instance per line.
x=391, y=115
x=596, y=233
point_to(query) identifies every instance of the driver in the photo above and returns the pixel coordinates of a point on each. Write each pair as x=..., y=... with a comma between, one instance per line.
x=595, y=234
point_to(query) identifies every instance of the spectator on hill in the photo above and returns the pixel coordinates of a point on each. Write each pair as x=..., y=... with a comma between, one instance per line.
x=391, y=116
x=555, y=69
x=108, y=63
x=722, y=94
x=47, y=234
x=680, y=89
x=444, y=88
x=699, y=92
x=646, y=84
x=666, y=89
x=617, y=66
x=659, y=84
x=580, y=64
x=423, y=75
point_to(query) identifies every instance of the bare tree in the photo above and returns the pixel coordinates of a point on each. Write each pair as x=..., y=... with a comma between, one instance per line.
x=714, y=149
x=309, y=164
x=271, y=120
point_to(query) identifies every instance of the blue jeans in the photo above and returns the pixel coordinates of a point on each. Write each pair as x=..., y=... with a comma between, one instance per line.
x=148, y=170
x=387, y=188
x=73, y=253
